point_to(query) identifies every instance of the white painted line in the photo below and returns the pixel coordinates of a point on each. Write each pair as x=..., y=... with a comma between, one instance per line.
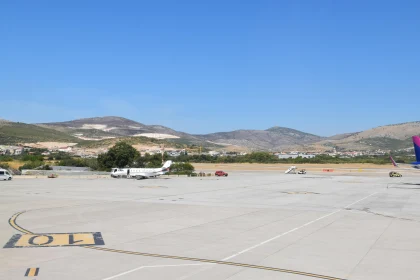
x=151, y=266
x=239, y=253
x=295, y=229
x=275, y=237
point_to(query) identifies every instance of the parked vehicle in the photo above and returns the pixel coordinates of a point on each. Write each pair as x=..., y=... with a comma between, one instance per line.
x=394, y=174
x=220, y=173
x=5, y=175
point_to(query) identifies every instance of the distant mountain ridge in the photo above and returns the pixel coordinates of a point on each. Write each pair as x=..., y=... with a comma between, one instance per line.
x=111, y=126
x=387, y=137
x=395, y=136
x=274, y=138
x=114, y=126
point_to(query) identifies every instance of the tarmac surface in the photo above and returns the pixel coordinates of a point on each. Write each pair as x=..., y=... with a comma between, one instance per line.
x=250, y=225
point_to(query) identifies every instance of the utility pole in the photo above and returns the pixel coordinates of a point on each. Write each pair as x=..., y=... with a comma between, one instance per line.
x=163, y=152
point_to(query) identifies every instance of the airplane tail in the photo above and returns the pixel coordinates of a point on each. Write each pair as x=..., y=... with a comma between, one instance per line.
x=393, y=162
x=167, y=164
x=416, y=143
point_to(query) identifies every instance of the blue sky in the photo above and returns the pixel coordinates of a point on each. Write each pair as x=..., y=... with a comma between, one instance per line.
x=324, y=67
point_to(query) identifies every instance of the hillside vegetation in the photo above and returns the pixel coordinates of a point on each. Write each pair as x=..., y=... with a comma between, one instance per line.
x=138, y=140
x=388, y=137
x=15, y=132
x=275, y=138
x=99, y=131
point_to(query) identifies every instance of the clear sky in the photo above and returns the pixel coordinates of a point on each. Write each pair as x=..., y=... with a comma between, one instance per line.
x=320, y=66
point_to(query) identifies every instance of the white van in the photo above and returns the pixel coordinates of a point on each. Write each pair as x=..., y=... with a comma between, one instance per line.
x=5, y=175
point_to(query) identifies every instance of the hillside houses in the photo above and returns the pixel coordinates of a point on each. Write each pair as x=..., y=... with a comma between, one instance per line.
x=11, y=150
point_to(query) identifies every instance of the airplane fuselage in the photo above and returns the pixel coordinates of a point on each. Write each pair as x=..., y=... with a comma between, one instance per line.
x=140, y=173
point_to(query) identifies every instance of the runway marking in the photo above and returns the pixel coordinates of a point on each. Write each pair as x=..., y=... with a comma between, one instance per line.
x=32, y=272
x=295, y=229
x=302, y=192
x=30, y=239
x=313, y=275
x=54, y=240
x=151, y=266
x=12, y=223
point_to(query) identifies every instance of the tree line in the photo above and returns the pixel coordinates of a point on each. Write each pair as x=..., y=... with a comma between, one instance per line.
x=265, y=157
x=123, y=155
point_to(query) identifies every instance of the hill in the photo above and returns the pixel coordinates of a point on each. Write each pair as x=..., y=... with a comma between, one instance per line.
x=16, y=132
x=341, y=136
x=102, y=131
x=111, y=126
x=275, y=138
x=134, y=141
x=101, y=128
x=388, y=137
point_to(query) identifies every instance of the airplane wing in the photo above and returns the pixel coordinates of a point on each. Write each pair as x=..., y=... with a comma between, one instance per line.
x=146, y=175
x=404, y=165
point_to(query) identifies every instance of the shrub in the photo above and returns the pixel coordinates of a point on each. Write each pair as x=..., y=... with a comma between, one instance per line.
x=31, y=165
x=46, y=167
x=92, y=163
x=33, y=158
x=6, y=158
x=4, y=165
x=183, y=168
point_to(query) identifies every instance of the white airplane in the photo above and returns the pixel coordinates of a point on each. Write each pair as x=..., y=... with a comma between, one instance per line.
x=141, y=173
x=416, y=164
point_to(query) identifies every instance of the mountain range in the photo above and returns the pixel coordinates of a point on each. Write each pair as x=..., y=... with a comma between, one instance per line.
x=106, y=130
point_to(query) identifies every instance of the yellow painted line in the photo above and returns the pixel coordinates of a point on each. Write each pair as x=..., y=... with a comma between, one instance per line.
x=313, y=275
x=31, y=272
x=30, y=239
x=12, y=222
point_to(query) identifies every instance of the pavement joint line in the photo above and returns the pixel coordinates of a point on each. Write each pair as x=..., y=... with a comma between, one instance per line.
x=205, y=269
x=295, y=229
x=313, y=275
x=151, y=266
x=12, y=222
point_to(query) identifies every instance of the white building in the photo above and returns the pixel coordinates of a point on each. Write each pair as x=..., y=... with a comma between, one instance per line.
x=283, y=156
x=65, y=149
x=18, y=151
x=214, y=153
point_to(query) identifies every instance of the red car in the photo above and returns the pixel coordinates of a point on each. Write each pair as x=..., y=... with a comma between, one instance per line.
x=221, y=173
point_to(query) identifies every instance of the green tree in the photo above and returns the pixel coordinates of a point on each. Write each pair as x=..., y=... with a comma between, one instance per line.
x=31, y=165
x=6, y=158
x=120, y=155
x=154, y=161
x=182, y=168
x=139, y=162
x=33, y=158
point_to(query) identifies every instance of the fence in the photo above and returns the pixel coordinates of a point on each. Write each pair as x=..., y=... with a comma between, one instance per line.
x=62, y=172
